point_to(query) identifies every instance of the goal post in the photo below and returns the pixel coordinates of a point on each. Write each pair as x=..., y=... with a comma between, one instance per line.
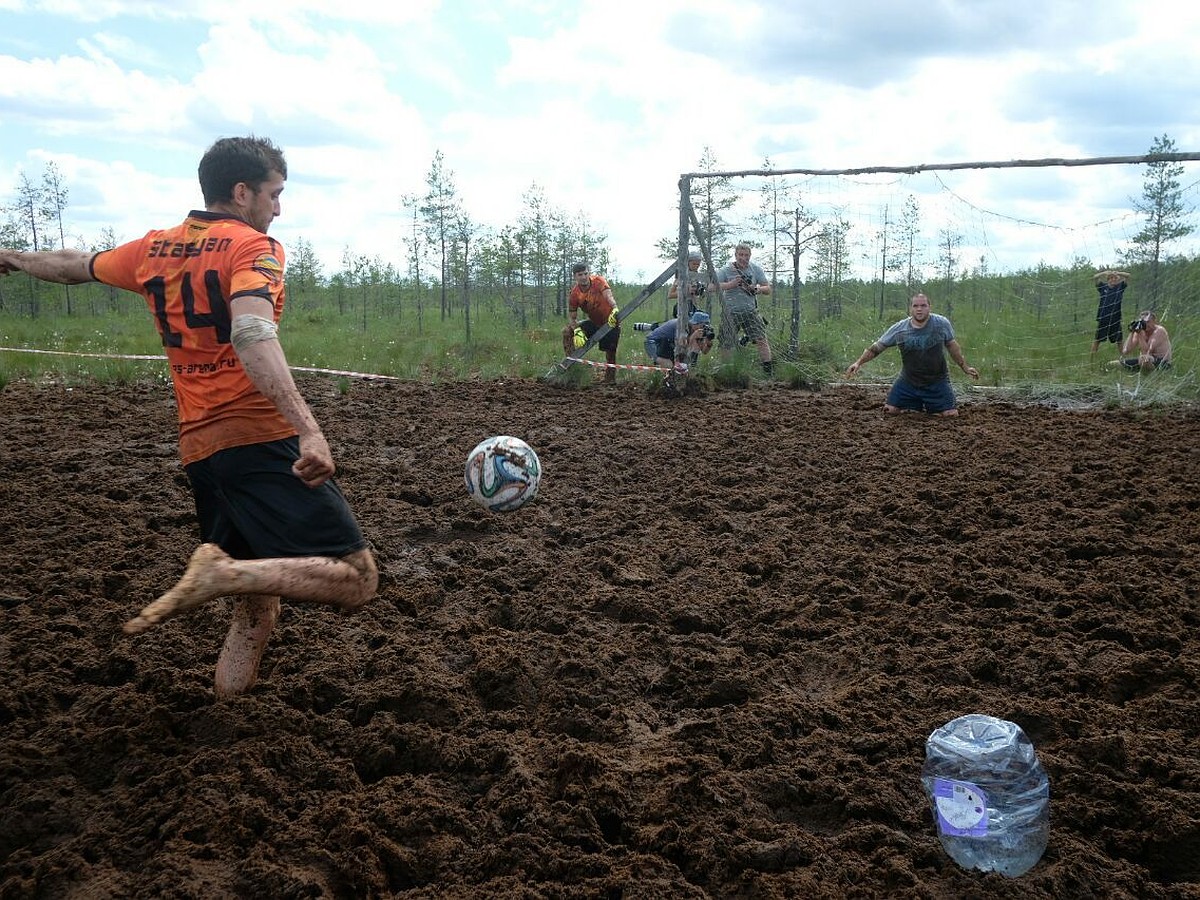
x=1008, y=249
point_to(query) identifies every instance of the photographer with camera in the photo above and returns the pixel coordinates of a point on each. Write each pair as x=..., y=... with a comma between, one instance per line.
x=695, y=285
x=1111, y=287
x=1149, y=341
x=660, y=343
x=741, y=283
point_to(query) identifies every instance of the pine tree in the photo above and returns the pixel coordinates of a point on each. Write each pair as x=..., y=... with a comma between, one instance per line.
x=441, y=211
x=303, y=269
x=27, y=216
x=711, y=198
x=910, y=233
x=537, y=249
x=54, y=196
x=1162, y=205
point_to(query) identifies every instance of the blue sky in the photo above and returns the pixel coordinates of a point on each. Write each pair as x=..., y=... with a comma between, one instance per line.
x=600, y=104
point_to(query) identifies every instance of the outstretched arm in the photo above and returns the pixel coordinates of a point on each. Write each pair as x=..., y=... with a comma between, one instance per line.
x=59, y=266
x=867, y=355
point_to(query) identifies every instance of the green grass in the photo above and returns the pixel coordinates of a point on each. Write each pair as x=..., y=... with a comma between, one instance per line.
x=1019, y=355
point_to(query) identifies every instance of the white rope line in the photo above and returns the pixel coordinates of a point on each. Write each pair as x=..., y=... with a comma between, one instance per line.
x=73, y=353
x=373, y=376
x=607, y=365
x=349, y=374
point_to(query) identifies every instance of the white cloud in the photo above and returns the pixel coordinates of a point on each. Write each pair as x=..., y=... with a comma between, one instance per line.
x=601, y=104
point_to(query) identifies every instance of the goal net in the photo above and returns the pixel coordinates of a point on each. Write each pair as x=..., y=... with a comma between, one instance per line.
x=1009, y=251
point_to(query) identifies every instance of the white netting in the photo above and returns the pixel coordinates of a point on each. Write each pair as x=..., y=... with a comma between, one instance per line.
x=1009, y=254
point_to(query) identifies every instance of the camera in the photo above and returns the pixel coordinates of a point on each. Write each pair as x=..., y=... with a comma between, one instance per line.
x=698, y=288
x=1137, y=325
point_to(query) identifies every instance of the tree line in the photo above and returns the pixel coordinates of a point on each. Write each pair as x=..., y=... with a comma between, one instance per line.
x=449, y=259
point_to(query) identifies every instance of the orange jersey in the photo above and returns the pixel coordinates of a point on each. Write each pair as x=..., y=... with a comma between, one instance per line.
x=188, y=275
x=592, y=301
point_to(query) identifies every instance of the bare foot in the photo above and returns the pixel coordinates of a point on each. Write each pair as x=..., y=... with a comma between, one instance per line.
x=199, y=584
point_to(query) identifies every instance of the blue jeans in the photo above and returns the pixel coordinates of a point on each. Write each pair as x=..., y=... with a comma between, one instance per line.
x=936, y=398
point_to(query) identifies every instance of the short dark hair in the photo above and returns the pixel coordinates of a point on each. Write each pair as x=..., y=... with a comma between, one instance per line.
x=579, y=267
x=232, y=161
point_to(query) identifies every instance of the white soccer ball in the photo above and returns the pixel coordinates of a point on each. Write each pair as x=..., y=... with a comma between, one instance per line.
x=502, y=473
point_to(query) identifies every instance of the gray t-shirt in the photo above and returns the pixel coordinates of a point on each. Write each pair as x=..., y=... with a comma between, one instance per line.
x=922, y=350
x=739, y=298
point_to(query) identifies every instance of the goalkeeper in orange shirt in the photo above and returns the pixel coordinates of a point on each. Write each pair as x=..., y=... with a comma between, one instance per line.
x=592, y=294
x=273, y=521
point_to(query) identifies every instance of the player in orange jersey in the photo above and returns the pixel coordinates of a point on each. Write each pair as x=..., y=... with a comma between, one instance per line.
x=592, y=294
x=273, y=521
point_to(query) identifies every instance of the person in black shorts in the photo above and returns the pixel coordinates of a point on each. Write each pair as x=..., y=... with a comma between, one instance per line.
x=1111, y=287
x=273, y=521
x=592, y=294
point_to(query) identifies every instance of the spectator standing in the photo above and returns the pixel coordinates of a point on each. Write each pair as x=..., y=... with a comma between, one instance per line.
x=695, y=285
x=1110, y=286
x=742, y=282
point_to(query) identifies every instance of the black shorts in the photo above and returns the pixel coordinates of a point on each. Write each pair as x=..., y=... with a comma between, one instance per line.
x=609, y=341
x=251, y=505
x=1109, y=328
x=1136, y=363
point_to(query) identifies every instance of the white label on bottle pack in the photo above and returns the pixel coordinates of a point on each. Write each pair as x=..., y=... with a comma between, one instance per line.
x=961, y=808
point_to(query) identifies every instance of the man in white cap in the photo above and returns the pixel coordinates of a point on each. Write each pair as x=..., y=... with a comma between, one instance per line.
x=695, y=285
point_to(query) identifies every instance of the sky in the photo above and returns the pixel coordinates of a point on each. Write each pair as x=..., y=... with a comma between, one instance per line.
x=600, y=105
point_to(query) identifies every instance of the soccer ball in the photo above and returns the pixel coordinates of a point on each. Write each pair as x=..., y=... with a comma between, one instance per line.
x=502, y=473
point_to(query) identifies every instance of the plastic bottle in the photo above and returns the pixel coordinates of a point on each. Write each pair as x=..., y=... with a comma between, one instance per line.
x=989, y=794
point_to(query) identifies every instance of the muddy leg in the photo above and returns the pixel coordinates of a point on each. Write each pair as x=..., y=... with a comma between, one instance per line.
x=237, y=667
x=347, y=582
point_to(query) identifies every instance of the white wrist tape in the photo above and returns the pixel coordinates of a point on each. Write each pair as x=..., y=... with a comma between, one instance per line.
x=247, y=330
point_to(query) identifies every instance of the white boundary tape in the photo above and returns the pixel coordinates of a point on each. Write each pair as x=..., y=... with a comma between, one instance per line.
x=163, y=358
x=605, y=365
x=982, y=388
x=73, y=353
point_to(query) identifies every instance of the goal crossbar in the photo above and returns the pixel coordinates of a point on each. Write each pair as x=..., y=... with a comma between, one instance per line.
x=935, y=167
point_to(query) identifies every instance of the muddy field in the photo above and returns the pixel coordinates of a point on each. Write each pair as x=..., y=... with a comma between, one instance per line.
x=703, y=663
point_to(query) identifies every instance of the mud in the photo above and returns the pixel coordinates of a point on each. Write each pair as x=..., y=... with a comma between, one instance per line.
x=703, y=663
